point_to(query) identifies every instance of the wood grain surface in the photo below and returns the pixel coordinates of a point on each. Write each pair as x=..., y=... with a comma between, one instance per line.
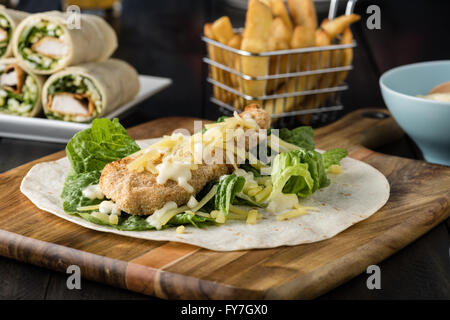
x=419, y=200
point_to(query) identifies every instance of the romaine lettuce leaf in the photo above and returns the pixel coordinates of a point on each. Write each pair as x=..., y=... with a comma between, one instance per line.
x=333, y=156
x=106, y=141
x=139, y=223
x=73, y=187
x=227, y=189
x=301, y=136
x=299, y=172
x=195, y=220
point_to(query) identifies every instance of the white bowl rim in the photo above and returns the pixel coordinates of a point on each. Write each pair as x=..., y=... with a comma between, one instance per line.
x=388, y=72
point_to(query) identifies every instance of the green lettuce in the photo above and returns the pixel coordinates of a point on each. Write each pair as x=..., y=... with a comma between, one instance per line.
x=72, y=192
x=300, y=172
x=93, y=148
x=89, y=151
x=227, y=189
x=301, y=136
x=333, y=156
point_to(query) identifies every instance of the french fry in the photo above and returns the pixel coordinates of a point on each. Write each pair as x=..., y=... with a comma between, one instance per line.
x=324, y=81
x=207, y=31
x=347, y=58
x=279, y=40
x=302, y=37
x=319, y=60
x=303, y=12
x=235, y=43
x=258, y=26
x=223, y=30
x=281, y=105
x=341, y=59
x=337, y=26
x=280, y=35
x=279, y=10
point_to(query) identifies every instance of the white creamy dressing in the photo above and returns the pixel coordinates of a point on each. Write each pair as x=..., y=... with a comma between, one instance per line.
x=175, y=170
x=282, y=202
x=109, y=207
x=155, y=218
x=93, y=192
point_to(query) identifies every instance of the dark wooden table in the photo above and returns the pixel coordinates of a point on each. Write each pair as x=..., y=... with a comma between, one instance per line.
x=162, y=38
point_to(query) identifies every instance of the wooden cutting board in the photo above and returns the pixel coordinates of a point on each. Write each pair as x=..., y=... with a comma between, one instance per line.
x=420, y=196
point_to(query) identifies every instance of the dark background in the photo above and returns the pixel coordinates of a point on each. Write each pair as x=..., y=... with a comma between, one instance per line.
x=162, y=38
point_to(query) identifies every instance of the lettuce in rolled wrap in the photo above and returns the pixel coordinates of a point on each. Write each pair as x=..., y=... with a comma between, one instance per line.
x=20, y=91
x=44, y=44
x=87, y=91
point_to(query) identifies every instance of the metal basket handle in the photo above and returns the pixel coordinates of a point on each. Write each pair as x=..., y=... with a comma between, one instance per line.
x=334, y=4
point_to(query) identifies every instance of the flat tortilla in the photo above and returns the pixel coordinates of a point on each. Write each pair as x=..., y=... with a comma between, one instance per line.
x=354, y=195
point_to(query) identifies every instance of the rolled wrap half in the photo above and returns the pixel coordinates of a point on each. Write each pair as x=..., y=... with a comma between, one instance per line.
x=9, y=20
x=44, y=44
x=91, y=90
x=20, y=91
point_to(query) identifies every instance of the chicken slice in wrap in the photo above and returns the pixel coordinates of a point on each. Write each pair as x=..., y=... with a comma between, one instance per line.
x=20, y=91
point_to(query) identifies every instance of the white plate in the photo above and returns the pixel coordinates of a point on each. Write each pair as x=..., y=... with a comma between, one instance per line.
x=42, y=129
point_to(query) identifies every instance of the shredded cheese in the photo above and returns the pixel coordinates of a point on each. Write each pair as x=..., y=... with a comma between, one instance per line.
x=233, y=216
x=252, y=216
x=101, y=216
x=89, y=208
x=160, y=217
x=205, y=199
x=214, y=214
x=203, y=214
x=113, y=219
x=264, y=194
x=291, y=214
x=175, y=156
x=238, y=210
x=221, y=217
x=180, y=230
x=335, y=169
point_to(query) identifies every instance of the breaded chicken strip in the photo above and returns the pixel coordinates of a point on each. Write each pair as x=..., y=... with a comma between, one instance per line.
x=138, y=193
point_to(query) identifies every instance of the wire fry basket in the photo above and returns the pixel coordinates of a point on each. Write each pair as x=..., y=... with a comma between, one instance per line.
x=294, y=86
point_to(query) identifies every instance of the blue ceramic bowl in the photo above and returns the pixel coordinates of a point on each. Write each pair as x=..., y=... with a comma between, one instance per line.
x=427, y=122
